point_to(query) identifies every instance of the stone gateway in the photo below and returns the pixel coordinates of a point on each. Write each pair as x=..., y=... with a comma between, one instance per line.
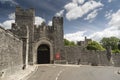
x=41, y=42
x=27, y=44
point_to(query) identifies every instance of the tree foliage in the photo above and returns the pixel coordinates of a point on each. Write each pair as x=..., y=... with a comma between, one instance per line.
x=116, y=51
x=119, y=45
x=69, y=43
x=93, y=45
x=111, y=41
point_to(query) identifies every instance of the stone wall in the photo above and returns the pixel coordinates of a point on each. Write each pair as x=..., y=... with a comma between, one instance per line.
x=79, y=55
x=115, y=60
x=10, y=53
x=72, y=54
x=58, y=36
x=26, y=18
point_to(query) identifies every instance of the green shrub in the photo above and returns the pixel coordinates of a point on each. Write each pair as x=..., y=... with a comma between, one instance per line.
x=116, y=51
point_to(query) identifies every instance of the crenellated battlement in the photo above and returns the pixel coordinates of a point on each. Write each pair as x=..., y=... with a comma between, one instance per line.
x=25, y=27
x=57, y=20
x=57, y=17
x=25, y=12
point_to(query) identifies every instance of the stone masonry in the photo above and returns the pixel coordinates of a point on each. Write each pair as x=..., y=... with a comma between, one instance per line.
x=11, y=58
x=35, y=35
x=25, y=41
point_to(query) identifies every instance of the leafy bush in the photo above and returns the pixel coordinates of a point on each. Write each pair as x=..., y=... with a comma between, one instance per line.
x=95, y=46
x=116, y=51
x=110, y=41
x=69, y=43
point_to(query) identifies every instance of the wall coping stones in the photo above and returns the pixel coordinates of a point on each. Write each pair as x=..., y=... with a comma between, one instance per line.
x=10, y=34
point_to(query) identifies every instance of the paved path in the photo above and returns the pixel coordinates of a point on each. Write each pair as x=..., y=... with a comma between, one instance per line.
x=60, y=72
x=20, y=74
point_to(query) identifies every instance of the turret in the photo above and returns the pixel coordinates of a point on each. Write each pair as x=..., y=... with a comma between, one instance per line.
x=24, y=16
x=57, y=26
x=57, y=23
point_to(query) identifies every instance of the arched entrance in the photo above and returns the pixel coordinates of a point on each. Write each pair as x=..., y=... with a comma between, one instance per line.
x=43, y=54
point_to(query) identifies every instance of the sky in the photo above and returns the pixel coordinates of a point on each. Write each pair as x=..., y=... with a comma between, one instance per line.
x=94, y=19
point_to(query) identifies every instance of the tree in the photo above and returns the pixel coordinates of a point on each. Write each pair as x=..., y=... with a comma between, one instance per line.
x=93, y=45
x=112, y=41
x=69, y=43
x=119, y=45
x=116, y=51
x=66, y=42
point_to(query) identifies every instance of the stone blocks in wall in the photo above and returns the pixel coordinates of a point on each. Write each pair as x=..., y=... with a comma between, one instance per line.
x=10, y=52
x=79, y=55
x=72, y=54
x=115, y=60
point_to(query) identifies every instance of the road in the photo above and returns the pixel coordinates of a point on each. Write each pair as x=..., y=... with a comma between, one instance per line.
x=70, y=72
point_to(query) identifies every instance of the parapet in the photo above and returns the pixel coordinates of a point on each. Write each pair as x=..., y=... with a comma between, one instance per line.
x=2, y=28
x=57, y=17
x=57, y=20
x=26, y=12
x=8, y=32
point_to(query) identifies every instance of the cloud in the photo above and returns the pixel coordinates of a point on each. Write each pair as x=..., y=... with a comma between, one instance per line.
x=112, y=30
x=97, y=36
x=110, y=1
x=91, y=16
x=60, y=13
x=7, y=24
x=1, y=24
x=75, y=11
x=77, y=36
x=11, y=16
x=39, y=20
x=12, y=2
x=70, y=6
x=108, y=14
x=108, y=32
x=50, y=23
x=115, y=19
x=79, y=1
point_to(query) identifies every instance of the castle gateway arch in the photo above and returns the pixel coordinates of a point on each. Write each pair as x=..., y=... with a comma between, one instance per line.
x=43, y=52
x=36, y=37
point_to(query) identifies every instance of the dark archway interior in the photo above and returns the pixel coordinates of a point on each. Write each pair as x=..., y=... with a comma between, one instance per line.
x=43, y=54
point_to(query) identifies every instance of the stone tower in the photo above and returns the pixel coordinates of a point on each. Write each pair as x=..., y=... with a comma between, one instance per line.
x=58, y=35
x=25, y=19
x=40, y=42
